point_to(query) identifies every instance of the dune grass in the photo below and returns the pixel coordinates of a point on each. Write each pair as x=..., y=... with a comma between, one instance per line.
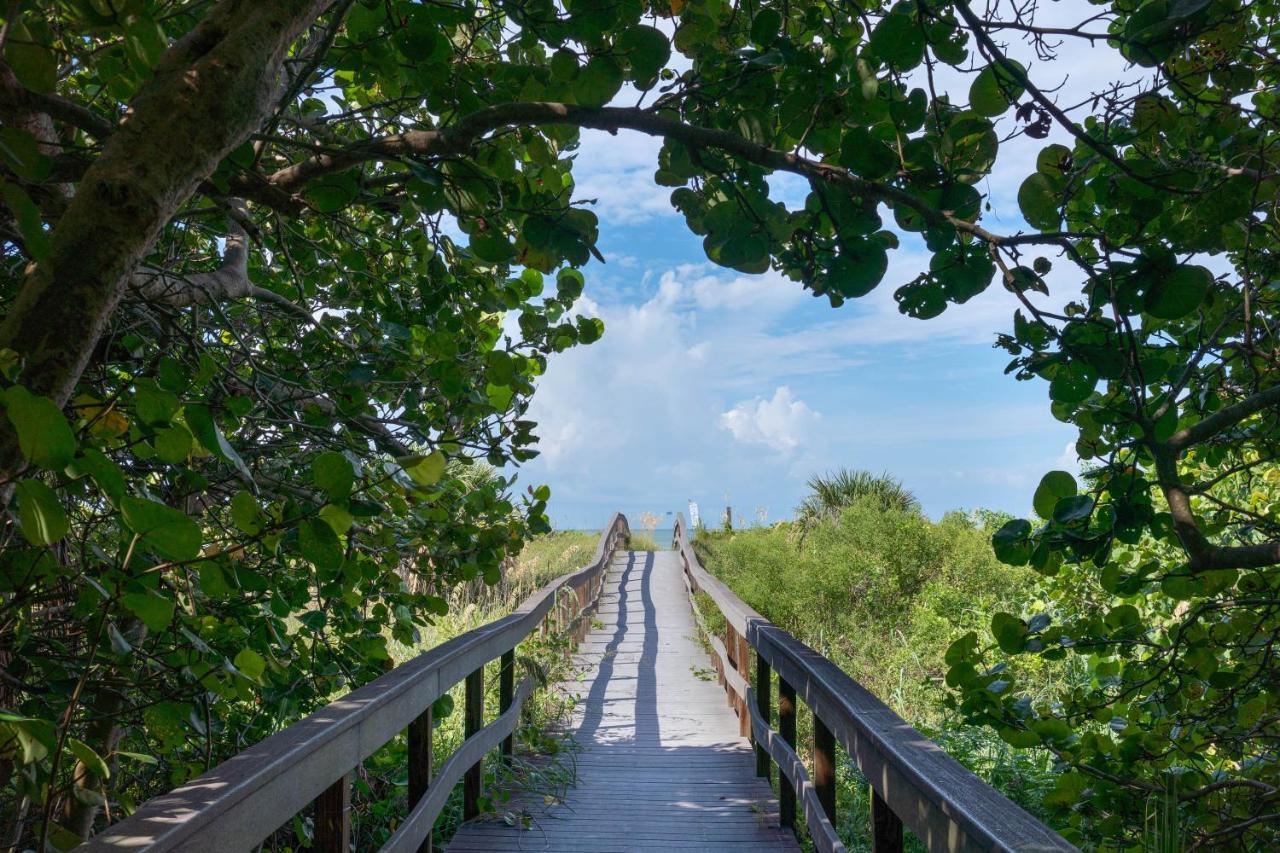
x=643, y=541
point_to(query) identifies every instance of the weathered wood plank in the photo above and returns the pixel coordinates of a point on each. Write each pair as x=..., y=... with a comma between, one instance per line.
x=658, y=760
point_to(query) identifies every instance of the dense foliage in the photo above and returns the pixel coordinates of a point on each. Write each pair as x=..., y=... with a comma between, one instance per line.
x=882, y=591
x=829, y=494
x=260, y=290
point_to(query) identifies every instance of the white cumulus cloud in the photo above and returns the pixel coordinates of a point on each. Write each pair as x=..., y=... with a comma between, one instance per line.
x=782, y=422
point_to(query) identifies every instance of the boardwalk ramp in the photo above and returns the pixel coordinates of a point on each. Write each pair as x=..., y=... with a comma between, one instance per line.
x=660, y=763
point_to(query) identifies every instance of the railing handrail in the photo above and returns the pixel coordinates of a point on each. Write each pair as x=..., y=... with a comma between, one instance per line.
x=944, y=804
x=244, y=799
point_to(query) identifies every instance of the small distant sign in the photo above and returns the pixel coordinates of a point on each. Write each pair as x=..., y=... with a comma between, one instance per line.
x=694, y=519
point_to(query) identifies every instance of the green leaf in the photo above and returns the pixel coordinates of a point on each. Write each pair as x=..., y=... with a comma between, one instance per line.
x=1011, y=543
x=213, y=582
x=1073, y=382
x=598, y=82
x=1039, y=202
x=22, y=154
x=153, y=404
x=144, y=43
x=993, y=91
x=500, y=396
x=333, y=474
x=34, y=64
x=646, y=50
x=334, y=192
x=245, y=513
x=89, y=758
x=1053, y=487
x=250, y=664
x=37, y=738
x=107, y=474
x=44, y=436
x=205, y=427
x=155, y=611
x=320, y=545
x=40, y=513
x=27, y=216
x=1010, y=632
x=962, y=649
x=1072, y=509
x=1178, y=294
x=173, y=444
x=424, y=470
x=969, y=148
x=569, y=284
x=899, y=41
x=492, y=247
x=765, y=27
x=337, y=518
x=1018, y=738
x=170, y=532
x=867, y=155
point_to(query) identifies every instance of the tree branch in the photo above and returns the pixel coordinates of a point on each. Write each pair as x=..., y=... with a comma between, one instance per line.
x=1203, y=555
x=209, y=91
x=458, y=139
x=1224, y=418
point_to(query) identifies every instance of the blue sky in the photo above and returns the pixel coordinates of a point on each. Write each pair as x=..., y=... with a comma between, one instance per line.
x=724, y=388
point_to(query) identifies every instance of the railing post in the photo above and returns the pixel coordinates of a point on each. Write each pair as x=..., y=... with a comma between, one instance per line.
x=824, y=767
x=886, y=827
x=730, y=649
x=333, y=818
x=786, y=728
x=506, y=694
x=420, y=765
x=744, y=669
x=473, y=721
x=764, y=690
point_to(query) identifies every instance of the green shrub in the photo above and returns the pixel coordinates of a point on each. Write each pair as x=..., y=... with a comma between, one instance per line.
x=883, y=592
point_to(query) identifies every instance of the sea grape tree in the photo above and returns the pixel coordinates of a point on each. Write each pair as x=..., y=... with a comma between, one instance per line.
x=274, y=270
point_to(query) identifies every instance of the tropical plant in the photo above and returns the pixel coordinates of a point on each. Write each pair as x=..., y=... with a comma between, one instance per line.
x=258, y=256
x=1165, y=740
x=881, y=592
x=830, y=494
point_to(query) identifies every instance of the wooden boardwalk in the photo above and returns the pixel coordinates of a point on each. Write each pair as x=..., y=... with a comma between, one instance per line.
x=661, y=764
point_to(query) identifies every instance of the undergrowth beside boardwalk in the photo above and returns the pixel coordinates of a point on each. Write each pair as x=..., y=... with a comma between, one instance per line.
x=380, y=784
x=883, y=592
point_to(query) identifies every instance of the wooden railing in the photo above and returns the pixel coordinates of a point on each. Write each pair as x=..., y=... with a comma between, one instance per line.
x=237, y=804
x=913, y=781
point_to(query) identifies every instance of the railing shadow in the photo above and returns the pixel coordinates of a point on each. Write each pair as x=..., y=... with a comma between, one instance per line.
x=646, y=729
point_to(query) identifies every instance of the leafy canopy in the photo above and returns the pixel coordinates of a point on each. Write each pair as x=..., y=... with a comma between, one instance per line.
x=247, y=243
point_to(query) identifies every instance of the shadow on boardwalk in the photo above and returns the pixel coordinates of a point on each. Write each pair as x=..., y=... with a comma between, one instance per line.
x=660, y=764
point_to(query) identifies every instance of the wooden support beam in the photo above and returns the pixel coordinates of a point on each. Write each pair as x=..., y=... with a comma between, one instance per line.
x=419, y=759
x=506, y=691
x=473, y=722
x=333, y=818
x=786, y=728
x=824, y=767
x=764, y=695
x=886, y=827
x=744, y=669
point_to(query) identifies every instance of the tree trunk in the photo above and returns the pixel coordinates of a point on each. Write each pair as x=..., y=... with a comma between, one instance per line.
x=212, y=89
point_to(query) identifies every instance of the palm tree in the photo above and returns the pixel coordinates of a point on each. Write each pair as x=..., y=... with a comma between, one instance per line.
x=831, y=493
